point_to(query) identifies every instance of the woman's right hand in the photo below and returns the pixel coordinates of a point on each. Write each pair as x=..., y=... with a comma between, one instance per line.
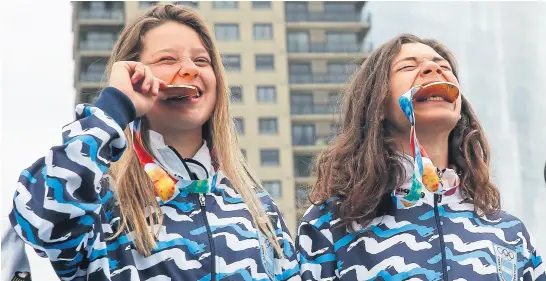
x=139, y=84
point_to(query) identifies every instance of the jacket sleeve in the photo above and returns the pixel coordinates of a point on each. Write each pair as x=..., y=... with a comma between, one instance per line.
x=534, y=268
x=57, y=204
x=14, y=259
x=315, y=249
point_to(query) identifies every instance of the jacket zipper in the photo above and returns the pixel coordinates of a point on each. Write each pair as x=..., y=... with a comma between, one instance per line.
x=209, y=233
x=438, y=198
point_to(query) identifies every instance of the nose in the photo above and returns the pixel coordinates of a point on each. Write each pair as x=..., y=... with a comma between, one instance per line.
x=188, y=71
x=430, y=68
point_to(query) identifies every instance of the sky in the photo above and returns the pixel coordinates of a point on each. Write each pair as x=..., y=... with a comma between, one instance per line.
x=37, y=94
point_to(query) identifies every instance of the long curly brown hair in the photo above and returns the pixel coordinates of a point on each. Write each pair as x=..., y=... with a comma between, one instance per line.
x=363, y=165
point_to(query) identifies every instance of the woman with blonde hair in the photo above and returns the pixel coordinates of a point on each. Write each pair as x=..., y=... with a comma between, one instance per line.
x=149, y=183
x=404, y=191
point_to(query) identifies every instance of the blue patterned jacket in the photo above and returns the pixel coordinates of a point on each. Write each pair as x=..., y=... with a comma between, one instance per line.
x=439, y=238
x=65, y=208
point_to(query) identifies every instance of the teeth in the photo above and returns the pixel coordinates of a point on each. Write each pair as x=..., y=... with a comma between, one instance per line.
x=435, y=98
x=199, y=94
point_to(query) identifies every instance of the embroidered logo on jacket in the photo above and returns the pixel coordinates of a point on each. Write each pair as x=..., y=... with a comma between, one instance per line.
x=506, y=263
x=268, y=255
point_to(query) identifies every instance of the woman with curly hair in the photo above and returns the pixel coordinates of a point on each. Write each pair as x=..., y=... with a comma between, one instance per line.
x=404, y=191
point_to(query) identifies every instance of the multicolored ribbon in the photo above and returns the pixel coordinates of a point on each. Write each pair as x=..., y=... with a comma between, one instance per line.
x=166, y=185
x=424, y=172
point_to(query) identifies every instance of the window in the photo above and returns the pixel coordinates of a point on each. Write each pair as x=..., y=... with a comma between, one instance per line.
x=342, y=42
x=239, y=125
x=98, y=40
x=265, y=62
x=339, y=72
x=101, y=9
x=274, y=188
x=268, y=126
x=300, y=72
x=89, y=96
x=339, y=7
x=302, y=165
x=231, y=62
x=341, y=67
x=269, y=157
x=225, y=4
x=261, y=4
x=333, y=102
x=296, y=7
x=341, y=37
x=299, y=68
x=302, y=196
x=266, y=94
x=226, y=31
x=298, y=41
x=193, y=4
x=334, y=130
x=301, y=103
x=263, y=31
x=92, y=71
x=296, y=11
x=236, y=93
x=303, y=134
x=147, y=4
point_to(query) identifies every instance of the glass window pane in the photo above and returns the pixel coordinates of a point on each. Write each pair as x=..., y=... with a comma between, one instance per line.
x=269, y=157
x=268, y=126
x=274, y=188
x=266, y=94
x=226, y=31
x=236, y=93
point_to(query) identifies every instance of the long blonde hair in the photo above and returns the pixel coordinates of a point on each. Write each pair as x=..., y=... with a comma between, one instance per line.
x=134, y=189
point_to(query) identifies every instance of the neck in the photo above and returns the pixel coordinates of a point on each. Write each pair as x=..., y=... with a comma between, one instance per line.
x=435, y=145
x=186, y=143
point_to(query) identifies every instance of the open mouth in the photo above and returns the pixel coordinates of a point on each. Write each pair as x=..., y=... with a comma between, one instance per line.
x=437, y=91
x=181, y=92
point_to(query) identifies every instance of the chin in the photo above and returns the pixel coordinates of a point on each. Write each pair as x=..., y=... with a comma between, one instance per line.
x=189, y=124
x=437, y=124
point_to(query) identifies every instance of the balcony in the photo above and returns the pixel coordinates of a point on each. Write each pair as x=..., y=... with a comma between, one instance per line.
x=303, y=166
x=93, y=77
x=345, y=21
x=329, y=47
x=320, y=78
x=303, y=188
x=90, y=79
x=293, y=16
x=99, y=16
x=325, y=51
x=100, y=48
x=88, y=96
x=314, y=112
x=303, y=175
x=307, y=109
x=310, y=145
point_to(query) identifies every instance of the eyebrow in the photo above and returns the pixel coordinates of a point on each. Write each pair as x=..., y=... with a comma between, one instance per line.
x=166, y=50
x=172, y=50
x=434, y=59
